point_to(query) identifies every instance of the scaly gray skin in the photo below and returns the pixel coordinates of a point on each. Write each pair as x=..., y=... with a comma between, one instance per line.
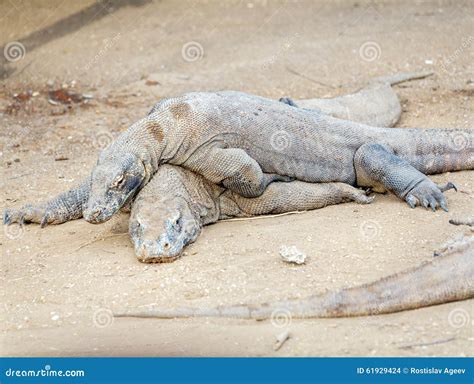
x=376, y=104
x=463, y=221
x=169, y=212
x=245, y=142
x=444, y=279
x=65, y=207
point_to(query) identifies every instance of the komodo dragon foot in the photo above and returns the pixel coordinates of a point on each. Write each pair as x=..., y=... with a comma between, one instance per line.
x=377, y=166
x=28, y=214
x=429, y=195
x=64, y=207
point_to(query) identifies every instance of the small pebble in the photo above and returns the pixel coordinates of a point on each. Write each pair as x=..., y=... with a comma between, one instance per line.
x=291, y=254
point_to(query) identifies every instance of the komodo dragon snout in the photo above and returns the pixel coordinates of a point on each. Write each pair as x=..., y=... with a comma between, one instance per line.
x=172, y=219
x=115, y=181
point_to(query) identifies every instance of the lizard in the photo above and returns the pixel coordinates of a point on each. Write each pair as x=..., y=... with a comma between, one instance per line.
x=372, y=100
x=375, y=102
x=446, y=278
x=170, y=211
x=217, y=135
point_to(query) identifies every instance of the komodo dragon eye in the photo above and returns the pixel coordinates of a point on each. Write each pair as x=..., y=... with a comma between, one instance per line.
x=118, y=182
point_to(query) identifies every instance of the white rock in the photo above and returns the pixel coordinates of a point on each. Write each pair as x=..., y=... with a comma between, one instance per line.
x=280, y=340
x=291, y=254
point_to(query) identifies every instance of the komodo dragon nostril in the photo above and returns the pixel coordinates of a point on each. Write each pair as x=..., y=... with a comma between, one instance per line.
x=166, y=245
x=95, y=214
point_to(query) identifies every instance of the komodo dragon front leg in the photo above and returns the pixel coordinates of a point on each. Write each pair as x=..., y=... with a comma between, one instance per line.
x=234, y=169
x=379, y=167
x=62, y=208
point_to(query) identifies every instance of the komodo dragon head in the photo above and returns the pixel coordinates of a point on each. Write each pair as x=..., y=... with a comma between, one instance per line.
x=161, y=230
x=169, y=212
x=115, y=181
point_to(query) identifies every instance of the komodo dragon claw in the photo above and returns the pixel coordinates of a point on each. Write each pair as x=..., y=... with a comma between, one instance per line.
x=447, y=187
x=429, y=195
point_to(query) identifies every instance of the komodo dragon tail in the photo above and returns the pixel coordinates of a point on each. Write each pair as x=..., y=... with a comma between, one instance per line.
x=444, y=279
x=434, y=150
x=402, y=77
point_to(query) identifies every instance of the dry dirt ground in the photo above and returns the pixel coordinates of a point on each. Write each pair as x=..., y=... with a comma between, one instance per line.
x=59, y=283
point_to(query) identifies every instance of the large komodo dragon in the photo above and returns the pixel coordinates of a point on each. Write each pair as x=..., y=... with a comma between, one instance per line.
x=374, y=104
x=447, y=278
x=169, y=212
x=245, y=142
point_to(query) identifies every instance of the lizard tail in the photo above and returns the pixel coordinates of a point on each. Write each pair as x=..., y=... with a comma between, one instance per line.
x=444, y=279
x=402, y=77
x=434, y=150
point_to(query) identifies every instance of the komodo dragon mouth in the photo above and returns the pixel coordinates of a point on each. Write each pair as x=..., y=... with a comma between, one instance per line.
x=158, y=260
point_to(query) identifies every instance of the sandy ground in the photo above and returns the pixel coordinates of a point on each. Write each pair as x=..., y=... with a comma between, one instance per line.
x=60, y=283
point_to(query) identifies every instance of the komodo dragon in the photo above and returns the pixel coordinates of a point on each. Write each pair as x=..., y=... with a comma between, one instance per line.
x=446, y=278
x=169, y=212
x=375, y=103
x=245, y=142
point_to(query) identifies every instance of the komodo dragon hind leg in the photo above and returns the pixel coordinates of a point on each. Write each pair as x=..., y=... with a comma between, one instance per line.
x=64, y=207
x=234, y=169
x=288, y=197
x=378, y=167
